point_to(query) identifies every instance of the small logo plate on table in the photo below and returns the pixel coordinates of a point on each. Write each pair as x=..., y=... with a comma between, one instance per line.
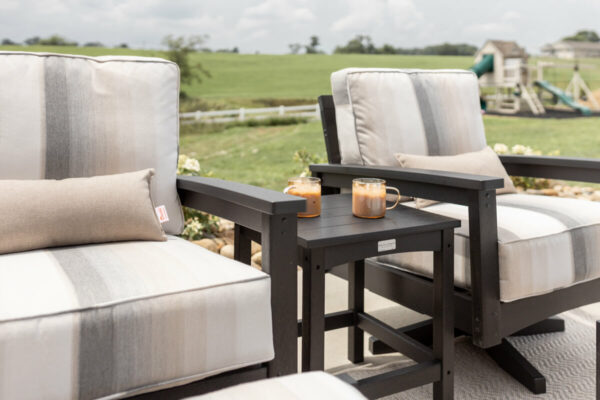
x=386, y=245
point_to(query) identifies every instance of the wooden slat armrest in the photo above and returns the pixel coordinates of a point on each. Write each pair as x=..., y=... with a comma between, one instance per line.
x=438, y=178
x=262, y=200
x=569, y=168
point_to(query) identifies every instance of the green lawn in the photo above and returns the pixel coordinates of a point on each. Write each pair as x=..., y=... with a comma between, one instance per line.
x=263, y=156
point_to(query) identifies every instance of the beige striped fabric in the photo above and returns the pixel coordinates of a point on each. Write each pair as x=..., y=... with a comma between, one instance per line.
x=64, y=116
x=307, y=386
x=381, y=112
x=544, y=244
x=113, y=320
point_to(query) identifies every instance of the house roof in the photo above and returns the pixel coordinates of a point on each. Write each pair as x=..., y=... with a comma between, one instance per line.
x=567, y=44
x=509, y=49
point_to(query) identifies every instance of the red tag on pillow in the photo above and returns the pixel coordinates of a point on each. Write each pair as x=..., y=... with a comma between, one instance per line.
x=161, y=213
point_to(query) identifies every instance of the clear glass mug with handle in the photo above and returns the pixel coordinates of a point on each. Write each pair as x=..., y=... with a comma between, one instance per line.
x=369, y=197
x=309, y=188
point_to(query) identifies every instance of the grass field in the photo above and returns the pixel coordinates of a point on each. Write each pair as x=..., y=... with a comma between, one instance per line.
x=263, y=156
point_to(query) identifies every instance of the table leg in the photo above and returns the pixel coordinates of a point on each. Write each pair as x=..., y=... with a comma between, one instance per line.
x=443, y=315
x=242, y=245
x=356, y=302
x=313, y=311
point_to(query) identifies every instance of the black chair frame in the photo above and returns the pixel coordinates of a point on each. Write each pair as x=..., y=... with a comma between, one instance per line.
x=273, y=215
x=479, y=311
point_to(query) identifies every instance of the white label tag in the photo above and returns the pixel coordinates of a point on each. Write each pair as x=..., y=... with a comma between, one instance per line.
x=386, y=245
x=161, y=213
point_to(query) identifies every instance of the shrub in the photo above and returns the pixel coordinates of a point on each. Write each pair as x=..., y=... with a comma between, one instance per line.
x=525, y=182
x=198, y=224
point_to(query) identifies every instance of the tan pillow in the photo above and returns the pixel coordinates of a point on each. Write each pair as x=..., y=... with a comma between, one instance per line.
x=483, y=162
x=37, y=214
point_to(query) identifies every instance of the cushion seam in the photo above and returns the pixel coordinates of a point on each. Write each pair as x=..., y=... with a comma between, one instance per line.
x=133, y=300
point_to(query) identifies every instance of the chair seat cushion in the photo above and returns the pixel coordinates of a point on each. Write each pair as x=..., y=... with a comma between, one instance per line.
x=307, y=386
x=119, y=319
x=544, y=244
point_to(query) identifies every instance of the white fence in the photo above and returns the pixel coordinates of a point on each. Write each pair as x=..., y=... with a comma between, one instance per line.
x=242, y=114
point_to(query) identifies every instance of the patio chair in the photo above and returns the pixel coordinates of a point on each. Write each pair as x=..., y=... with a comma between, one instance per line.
x=519, y=259
x=120, y=319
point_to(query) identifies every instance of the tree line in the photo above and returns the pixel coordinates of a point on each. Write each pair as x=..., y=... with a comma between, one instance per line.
x=54, y=40
x=363, y=44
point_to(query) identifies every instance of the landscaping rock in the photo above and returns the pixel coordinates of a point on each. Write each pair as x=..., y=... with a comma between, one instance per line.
x=227, y=251
x=208, y=244
x=255, y=248
x=226, y=225
x=220, y=242
x=549, y=192
x=257, y=258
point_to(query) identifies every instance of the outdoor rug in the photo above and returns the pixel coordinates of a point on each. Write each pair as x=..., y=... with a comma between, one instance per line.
x=567, y=359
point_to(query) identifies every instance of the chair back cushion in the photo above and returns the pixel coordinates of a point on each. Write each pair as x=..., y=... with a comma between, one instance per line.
x=64, y=116
x=381, y=112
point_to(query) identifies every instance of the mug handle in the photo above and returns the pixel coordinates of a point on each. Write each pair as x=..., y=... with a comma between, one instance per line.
x=397, y=199
x=287, y=189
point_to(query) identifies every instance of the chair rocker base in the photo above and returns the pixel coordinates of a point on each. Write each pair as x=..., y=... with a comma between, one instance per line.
x=505, y=354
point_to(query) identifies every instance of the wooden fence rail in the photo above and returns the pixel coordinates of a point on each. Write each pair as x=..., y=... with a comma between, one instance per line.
x=242, y=114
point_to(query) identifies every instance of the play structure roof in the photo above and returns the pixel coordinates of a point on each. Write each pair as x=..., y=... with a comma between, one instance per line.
x=509, y=49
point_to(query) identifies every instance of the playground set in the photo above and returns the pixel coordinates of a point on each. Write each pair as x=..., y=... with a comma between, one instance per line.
x=508, y=85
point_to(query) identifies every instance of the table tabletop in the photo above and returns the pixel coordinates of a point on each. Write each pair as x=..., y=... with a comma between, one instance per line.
x=337, y=225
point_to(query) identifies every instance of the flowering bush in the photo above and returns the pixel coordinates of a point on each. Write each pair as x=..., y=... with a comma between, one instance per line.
x=198, y=224
x=305, y=159
x=525, y=182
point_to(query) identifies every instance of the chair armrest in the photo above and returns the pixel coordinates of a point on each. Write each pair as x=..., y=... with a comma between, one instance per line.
x=576, y=169
x=256, y=198
x=436, y=185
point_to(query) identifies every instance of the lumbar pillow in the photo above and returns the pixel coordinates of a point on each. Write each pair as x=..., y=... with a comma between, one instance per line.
x=483, y=162
x=45, y=213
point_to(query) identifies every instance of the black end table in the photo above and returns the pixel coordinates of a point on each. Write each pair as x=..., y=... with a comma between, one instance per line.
x=337, y=237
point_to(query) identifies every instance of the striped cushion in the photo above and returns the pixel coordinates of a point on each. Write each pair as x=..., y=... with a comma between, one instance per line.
x=65, y=116
x=381, y=112
x=119, y=319
x=307, y=386
x=544, y=244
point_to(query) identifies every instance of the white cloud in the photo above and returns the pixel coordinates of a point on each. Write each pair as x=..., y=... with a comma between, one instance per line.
x=490, y=28
x=271, y=12
x=511, y=15
x=398, y=15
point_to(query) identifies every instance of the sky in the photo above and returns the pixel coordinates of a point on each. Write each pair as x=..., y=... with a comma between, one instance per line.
x=269, y=26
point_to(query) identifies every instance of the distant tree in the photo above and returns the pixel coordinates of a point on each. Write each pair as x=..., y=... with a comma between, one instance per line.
x=123, y=46
x=56, y=40
x=8, y=42
x=311, y=47
x=93, y=44
x=449, y=49
x=234, y=50
x=179, y=49
x=583, y=36
x=387, y=49
x=361, y=44
x=32, y=41
x=295, y=48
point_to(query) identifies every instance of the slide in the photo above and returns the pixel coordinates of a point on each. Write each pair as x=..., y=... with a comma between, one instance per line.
x=563, y=97
x=485, y=65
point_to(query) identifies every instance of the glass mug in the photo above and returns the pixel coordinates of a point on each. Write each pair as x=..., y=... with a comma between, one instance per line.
x=309, y=188
x=369, y=196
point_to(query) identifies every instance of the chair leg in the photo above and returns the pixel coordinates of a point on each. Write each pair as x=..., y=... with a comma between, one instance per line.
x=513, y=362
x=549, y=325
